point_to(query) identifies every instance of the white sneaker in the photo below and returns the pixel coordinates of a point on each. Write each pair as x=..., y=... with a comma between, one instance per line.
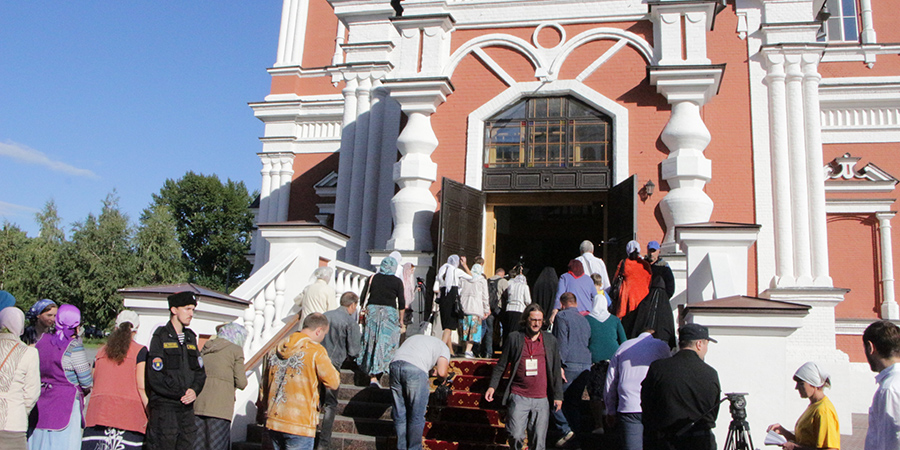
x=470, y=355
x=563, y=440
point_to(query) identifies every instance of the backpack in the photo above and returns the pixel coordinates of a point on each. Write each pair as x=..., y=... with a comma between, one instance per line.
x=494, y=295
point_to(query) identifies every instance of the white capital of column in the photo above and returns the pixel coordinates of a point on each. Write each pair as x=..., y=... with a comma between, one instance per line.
x=686, y=169
x=889, y=308
x=413, y=206
x=286, y=176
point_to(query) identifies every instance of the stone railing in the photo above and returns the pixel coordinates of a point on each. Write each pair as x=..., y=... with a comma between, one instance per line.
x=348, y=277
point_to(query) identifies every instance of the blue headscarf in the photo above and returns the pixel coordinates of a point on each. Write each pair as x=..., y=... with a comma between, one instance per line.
x=38, y=307
x=6, y=300
x=388, y=266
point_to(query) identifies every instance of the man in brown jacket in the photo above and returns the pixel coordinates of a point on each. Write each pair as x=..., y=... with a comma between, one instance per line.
x=291, y=377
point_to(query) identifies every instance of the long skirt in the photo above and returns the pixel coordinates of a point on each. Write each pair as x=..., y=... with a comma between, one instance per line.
x=109, y=438
x=69, y=438
x=380, y=339
x=213, y=433
x=471, y=328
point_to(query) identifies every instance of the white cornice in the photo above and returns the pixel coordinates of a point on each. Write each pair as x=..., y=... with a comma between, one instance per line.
x=860, y=109
x=508, y=13
x=858, y=206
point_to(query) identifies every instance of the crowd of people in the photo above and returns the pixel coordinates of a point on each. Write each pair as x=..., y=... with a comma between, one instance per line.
x=583, y=331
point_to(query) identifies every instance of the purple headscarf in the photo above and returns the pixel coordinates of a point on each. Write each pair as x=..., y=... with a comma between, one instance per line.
x=68, y=317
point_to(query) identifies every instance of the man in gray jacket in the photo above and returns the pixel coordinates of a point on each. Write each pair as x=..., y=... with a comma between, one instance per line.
x=536, y=375
x=342, y=341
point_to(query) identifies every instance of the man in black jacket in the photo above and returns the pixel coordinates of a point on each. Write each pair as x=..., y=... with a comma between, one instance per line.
x=536, y=375
x=175, y=376
x=680, y=396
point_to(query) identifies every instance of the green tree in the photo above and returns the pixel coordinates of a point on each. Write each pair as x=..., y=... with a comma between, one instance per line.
x=45, y=271
x=158, y=253
x=213, y=222
x=100, y=261
x=14, y=260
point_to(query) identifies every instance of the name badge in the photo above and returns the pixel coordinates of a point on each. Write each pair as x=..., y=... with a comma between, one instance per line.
x=170, y=345
x=531, y=367
x=191, y=347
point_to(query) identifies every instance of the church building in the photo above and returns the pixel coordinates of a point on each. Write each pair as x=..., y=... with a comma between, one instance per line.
x=756, y=140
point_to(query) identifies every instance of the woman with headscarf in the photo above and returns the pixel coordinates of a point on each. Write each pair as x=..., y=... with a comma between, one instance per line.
x=319, y=296
x=223, y=359
x=382, y=297
x=607, y=335
x=817, y=427
x=41, y=318
x=65, y=380
x=20, y=379
x=544, y=292
x=635, y=276
x=518, y=296
x=578, y=283
x=448, y=281
x=474, y=298
x=116, y=416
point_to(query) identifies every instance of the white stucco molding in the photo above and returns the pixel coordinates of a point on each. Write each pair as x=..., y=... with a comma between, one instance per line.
x=859, y=206
x=475, y=132
x=519, y=13
x=841, y=176
x=860, y=109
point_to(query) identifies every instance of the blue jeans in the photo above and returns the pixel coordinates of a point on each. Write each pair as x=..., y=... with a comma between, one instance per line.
x=285, y=441
x=568, y=417
x=409, y=387
x=487, y=342
x=632, y=431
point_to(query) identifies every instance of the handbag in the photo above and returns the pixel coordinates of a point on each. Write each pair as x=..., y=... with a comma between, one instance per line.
x=615, y=288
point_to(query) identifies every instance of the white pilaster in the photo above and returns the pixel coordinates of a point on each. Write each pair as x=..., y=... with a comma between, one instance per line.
x=814, y=176
x=797, y=156
x=868, y=28
x=413, y=206
x=373, y=173
x=686, y=169
x=889, y=308
x=345, y=156
x=292, y=34
x=274, y=191
x=390, y=132
x=781, y=177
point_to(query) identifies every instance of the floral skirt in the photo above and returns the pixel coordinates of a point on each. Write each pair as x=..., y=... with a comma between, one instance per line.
x=381, y=337
x=471, y=328
x=108, y=438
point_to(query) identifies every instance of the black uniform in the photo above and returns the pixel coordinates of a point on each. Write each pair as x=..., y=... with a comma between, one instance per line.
x=677, y=392
x=172, y=369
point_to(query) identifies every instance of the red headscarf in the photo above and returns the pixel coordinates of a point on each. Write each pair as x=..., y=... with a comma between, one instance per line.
x=575, y=268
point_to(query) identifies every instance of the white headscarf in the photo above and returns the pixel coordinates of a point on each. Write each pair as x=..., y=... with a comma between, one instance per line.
x=600, y=310
x=813, y=374
x=129, y=316
x=397, y=257
x=447, y=273
x=632, y=246
x=13, y=319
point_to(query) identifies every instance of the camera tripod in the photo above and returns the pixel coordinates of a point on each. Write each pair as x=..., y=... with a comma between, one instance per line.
x=738, y=430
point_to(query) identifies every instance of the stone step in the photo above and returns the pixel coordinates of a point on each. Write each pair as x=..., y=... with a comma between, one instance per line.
x=351, y=377
x=366, y=394
x=363, y=426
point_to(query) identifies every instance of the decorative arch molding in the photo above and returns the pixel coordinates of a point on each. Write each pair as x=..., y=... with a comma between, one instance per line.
x=547, y=61
x=475, y=130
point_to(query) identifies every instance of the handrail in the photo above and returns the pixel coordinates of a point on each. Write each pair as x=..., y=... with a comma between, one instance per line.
x=278, y=337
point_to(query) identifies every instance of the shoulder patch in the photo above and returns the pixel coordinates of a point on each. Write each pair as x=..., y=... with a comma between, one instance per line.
x=157, y=364
x=191, y=347
x=170, y=345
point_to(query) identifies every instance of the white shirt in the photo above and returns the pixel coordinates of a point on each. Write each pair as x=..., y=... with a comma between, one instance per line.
x=317, y=298
x=627, y=369
x=884, y=414
x=592, y=265
x=20, y=383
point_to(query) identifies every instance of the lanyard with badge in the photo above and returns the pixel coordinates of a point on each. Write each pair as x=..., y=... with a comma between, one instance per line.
x=531, y=362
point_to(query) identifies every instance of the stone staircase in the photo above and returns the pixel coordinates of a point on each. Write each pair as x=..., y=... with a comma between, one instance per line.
x=363, y=420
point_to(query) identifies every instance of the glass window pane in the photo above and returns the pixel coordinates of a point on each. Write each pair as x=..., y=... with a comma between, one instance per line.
x=538, y=155
x=514, y=112
x=848, y=8
x=555, y=156
x=850, y=31
x=555, y=107
x=540, y=107
x=590, y=132
x=505, y=134
x=834, y=29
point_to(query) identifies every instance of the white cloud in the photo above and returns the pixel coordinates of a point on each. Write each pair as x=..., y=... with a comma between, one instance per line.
x=9, y=209
x=29, y=155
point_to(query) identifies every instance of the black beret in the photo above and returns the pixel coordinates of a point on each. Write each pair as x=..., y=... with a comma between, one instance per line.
x=183, y=298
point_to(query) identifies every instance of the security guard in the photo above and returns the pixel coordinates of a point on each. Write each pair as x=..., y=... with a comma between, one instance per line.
x=175, y=376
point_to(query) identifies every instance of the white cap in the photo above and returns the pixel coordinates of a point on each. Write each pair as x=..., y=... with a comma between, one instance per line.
x=130, y=316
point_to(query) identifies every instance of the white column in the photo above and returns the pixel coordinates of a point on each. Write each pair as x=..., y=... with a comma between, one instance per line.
x=390, y=131
x=275, y=191
x=286, y=176
x=338, y=57
x=265, y=187
x=799, y=186
x=815, y=177
x=357, y=184
x=345, y=156
x=292, y=34
x=868, y=28
x=413, y=206
x=889, y=308
x=781, y=176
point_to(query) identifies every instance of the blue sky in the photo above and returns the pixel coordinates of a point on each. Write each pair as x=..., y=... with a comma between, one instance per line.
x=103, y=95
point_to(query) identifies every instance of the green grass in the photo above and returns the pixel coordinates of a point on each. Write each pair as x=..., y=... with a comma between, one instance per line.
x=94, y=342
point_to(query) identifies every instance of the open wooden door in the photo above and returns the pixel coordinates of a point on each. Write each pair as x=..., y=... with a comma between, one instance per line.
x=621, y=222
x=461, y=222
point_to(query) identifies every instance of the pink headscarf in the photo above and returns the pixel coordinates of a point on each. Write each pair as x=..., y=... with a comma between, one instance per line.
x=68, y=317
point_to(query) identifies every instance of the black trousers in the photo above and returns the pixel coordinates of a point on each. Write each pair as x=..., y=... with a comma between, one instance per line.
x=329, y=409
x=170, y=426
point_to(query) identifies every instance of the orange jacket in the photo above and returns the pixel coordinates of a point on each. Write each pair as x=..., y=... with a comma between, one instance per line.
x=293, y=401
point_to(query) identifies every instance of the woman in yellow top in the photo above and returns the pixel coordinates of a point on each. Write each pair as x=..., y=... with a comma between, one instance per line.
x=817, y=427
